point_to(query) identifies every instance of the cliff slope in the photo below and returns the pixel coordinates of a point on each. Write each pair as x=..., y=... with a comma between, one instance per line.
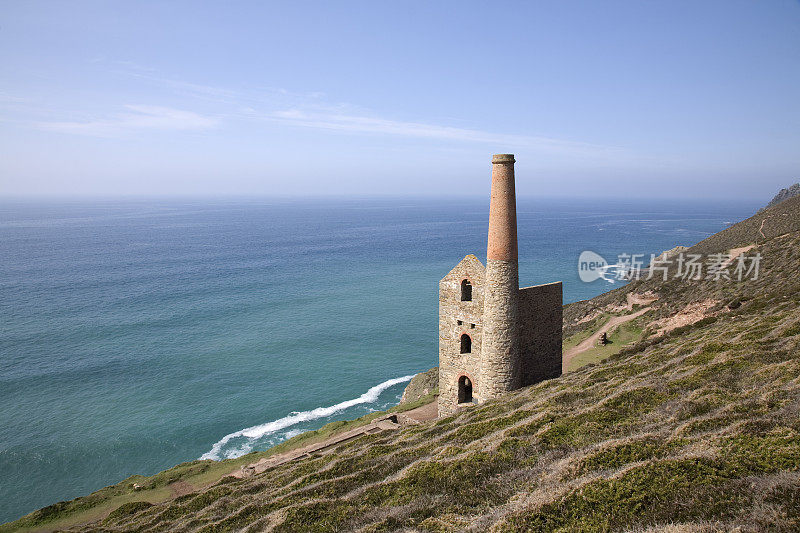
x=785, y=194
x=695, y=426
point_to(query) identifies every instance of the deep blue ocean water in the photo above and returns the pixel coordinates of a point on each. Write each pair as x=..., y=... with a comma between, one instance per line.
x=135, y=335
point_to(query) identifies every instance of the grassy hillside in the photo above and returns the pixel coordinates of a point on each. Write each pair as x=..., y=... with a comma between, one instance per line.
x=777, y=223
x=696, y=429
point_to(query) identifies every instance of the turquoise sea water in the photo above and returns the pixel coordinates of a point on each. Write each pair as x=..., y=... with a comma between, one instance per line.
x=135, y=335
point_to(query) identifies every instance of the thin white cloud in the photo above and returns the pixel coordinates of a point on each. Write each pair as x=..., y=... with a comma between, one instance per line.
x=304, y=110
x=310, y=110
x=12, y=99
x=139, y=117
x=356, y=123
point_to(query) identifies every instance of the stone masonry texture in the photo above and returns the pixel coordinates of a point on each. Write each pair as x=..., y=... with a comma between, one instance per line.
x=515, y=333
x=500, y=350
x=452, y=363
x=540, y=318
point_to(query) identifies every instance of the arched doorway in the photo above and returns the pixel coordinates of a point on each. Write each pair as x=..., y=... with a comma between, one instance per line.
x=464, y=390
x=466, y=343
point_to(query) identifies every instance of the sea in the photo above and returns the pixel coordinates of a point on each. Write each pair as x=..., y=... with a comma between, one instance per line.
x=137, y=334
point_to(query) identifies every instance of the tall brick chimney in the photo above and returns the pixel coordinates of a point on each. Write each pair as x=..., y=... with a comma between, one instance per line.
x=500, y=350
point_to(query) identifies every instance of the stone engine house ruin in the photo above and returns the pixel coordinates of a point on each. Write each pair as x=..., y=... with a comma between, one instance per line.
x=495, y=337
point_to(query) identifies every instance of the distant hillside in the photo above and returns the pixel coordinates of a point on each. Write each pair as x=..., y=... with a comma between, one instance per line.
x=769, y=225
x=691, y=424
x=766, y=224
x=785, y=194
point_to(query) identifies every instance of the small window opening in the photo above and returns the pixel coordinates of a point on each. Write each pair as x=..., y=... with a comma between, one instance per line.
x=460, y=322
x=466, y=344
x=472, y=326
x=466, y=291
x=464, y=390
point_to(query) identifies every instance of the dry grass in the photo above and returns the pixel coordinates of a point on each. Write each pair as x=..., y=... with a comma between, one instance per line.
x=694, y=430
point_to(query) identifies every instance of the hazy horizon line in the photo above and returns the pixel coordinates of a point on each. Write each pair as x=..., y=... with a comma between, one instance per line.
x=294, y=197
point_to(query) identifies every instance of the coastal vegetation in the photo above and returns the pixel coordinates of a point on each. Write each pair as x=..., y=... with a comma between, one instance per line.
x=139, y=492
x=683, y=425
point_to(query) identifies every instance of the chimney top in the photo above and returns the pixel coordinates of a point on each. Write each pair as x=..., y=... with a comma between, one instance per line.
x=503, y=158
x=502, y=243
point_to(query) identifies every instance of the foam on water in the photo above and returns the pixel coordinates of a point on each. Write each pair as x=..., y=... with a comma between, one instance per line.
x=218, y=451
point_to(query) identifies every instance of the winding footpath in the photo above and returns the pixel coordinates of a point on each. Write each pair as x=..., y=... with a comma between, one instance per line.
x=590, y=342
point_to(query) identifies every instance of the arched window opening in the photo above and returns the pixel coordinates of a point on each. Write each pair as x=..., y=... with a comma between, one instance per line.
x=464, y=390
x=466, y=344
x=466, y=291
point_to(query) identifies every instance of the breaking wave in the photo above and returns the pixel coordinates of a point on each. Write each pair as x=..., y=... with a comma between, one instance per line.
x=245, y=439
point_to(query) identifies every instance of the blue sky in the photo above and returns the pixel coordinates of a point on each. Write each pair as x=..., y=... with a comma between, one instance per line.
x=618, y=99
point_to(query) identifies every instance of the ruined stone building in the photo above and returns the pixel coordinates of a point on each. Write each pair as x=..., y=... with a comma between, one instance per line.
x=493, y=336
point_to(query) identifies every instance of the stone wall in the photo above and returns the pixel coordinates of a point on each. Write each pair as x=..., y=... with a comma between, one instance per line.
x=499, y=369
x=516, y=333
x=540, y=315
x=452, y=363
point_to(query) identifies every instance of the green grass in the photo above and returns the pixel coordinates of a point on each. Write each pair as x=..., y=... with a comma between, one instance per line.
x=587, y=330
x=669, y=490
x=620, y=337
x=198, y=474
x=619, y=455
x=155, y=489
x=696, y=426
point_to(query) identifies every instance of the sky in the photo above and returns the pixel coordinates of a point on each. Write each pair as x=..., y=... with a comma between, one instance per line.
x=672, y=99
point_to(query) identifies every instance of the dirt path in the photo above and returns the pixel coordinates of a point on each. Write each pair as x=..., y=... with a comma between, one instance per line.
x=592, y=340
x=761, y=229
x=389, y=421
x=325, y=446
x=180, y=488
x=639, y=299
x=423, y=413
